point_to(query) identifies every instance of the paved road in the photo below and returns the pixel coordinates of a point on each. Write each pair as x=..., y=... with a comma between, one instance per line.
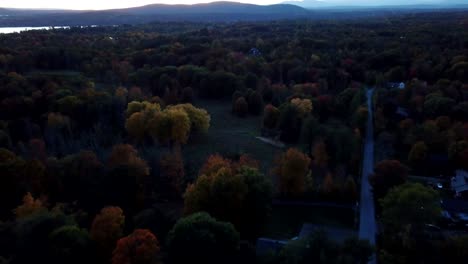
x=367, y=225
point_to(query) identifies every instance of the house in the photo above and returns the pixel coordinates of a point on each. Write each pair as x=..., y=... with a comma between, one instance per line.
x=455, y=211
x=255, y=52
x=267, y=246
x=397, y=85
x=459, y=183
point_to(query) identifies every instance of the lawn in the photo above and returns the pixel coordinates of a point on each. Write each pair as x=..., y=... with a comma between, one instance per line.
x=286, y=221
x=228, y=135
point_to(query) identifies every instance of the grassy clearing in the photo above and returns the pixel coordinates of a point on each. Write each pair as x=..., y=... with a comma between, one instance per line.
x=286, y=222
x=228, y=135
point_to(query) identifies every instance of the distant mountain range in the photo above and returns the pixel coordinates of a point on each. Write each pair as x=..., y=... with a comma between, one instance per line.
x=377, y=3
x=215, y=8
x=216, y=11
x=212, y=12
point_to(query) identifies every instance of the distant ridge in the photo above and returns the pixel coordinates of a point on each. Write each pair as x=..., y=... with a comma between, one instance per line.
x=211, y=12
x=399, y=4
x=215, y=11
x=222, y=7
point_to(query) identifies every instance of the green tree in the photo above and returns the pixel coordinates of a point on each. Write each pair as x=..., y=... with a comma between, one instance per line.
x=199, y=238
x=408, y=208
x=436, y=105
x=70, y=244
x=418, y=153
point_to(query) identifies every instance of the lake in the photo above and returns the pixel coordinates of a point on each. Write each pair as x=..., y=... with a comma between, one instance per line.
x=7, y=30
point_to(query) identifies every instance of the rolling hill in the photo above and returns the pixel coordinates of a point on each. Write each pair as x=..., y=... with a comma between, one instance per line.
x=216, y=8
x=216, y=11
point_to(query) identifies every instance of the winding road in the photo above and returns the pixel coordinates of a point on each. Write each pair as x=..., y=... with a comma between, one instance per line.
x=367, y=224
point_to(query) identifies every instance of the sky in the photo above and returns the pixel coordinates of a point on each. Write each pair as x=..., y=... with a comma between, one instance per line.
x=106, y=4
x=109, y=4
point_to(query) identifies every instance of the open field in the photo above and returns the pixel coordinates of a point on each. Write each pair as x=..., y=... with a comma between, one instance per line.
x=229, y=135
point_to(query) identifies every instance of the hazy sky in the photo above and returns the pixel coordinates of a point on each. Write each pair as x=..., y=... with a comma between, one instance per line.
x=106, y=4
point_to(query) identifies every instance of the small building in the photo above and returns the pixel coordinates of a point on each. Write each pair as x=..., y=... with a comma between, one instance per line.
x=459, y=183
x=267, y=246
x=455, y=211
x=255, y=52
x=397, y=85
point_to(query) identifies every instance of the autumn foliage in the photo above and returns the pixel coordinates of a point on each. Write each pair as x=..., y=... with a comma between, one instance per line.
x=292, y=169
x=29, y=207
x=241, y=107
x=304, y=106
x=233, y=191
x=172, y=171
x=172, y=124
x=127, y=155
x=107, y=228
x=387, y=174
x=271, y=116
x=140, y=247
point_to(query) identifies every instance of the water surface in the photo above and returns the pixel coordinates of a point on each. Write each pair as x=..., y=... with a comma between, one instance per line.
x=7, y=30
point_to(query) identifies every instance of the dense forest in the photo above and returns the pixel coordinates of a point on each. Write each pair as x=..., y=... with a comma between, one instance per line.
x=176, y=142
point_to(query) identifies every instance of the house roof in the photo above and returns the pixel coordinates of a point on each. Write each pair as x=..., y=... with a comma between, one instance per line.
x=266, y=245
x=459, y=182
x=455, y=206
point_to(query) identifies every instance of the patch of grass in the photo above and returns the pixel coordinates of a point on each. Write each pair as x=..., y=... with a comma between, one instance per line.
x=286, y=221
x=228, y=135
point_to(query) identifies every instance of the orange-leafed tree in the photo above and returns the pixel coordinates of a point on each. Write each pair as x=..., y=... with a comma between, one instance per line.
x=328, y=185
x=140, y=247
x=29, y=207
x=127, y=155
x=172, y=171
x=247, y=161
x=271, y=116
x=214, y=163
x=292, y=171
x=320, y=154
x=387, y=174
x=107, y=228
x=241, y=108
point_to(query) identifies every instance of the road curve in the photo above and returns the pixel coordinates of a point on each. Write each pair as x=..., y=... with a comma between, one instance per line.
x=367, y=224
